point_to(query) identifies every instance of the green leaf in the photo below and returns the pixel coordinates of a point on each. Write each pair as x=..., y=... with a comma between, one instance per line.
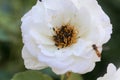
x=75, y=76
x=31, y=75
x=3, y=36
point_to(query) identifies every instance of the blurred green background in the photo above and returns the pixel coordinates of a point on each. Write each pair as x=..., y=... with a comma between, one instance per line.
x=11, y=44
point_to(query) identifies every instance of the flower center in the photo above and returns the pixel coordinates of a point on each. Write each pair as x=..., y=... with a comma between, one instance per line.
x=65, y=36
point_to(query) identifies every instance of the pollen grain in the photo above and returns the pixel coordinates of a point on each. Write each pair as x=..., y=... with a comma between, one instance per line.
x=65, y=36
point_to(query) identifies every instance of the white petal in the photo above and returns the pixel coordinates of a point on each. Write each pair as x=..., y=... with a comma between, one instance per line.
x=56, y=63
x=91, y=22
x=30, y=61
x=60, y=16
x=99, y=18
x=31, y=45
x=96, y=35
x=117, y=75
x=84, y=66
x=85, y=50
x=36, y=13
x=41, y=38
x=54, y=51
x=84, y=18
x=112, y=73
x=111, y=69
x=81, y=47
x=108, y=32
x=81, y=20
x=61, y=4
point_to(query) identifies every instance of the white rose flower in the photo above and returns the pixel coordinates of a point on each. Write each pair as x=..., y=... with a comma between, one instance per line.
x=112, y=73
x=65, y=35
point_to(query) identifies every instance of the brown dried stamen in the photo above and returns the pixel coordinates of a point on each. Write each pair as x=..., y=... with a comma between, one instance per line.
x=65, y=36
x=96, y=50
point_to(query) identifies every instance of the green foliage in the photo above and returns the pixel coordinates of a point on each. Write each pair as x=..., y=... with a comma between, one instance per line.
x=30, y=75
x=71, y=76
x=75, y=77
x=11, y=44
